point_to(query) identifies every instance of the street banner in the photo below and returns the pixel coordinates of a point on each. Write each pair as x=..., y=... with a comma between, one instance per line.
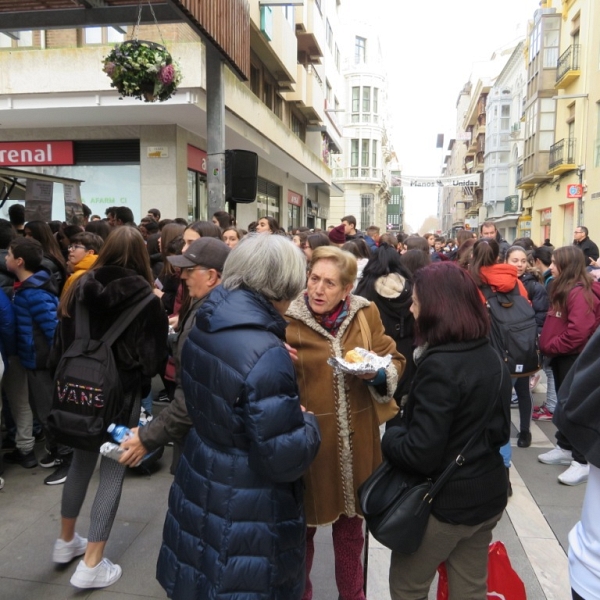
x=458, y=181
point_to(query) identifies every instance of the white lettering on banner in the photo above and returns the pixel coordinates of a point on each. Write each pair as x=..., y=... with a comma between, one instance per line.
x=26, y=155
x=432, y=182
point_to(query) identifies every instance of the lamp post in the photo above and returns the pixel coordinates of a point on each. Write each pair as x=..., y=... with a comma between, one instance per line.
x=580, y=171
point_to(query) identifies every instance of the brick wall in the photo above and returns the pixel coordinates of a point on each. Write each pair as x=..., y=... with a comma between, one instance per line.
x=61, y=38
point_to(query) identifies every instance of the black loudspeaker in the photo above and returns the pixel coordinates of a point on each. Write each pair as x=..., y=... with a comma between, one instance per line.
x=241, y=175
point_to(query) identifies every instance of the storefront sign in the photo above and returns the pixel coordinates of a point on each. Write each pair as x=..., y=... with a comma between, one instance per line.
x=196, y=159
x=546, y=216
x=29, y=154
x=38, y=200
x=294, y=198
x=574, y=190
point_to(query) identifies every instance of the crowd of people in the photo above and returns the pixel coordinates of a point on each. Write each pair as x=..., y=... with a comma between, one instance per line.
x=271, y=442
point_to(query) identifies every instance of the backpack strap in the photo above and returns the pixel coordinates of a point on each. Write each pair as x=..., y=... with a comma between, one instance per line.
x=82, y=321
x=124, y=320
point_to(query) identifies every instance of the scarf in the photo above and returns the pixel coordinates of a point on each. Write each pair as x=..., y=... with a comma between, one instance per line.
x=333, y=320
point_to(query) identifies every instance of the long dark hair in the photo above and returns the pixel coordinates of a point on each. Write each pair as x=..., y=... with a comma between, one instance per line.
x=205, y=229
x=450, y=306
x=385, y=262
x=570, y=263
x=40, y=231
x=485, y=254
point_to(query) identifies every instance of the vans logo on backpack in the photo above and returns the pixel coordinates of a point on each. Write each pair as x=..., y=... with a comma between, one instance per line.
x=79, y=394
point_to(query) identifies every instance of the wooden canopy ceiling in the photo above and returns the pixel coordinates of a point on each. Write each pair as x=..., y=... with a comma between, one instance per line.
x=224, y=23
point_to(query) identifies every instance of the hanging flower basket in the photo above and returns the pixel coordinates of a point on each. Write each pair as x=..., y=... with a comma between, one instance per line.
x=142, y=70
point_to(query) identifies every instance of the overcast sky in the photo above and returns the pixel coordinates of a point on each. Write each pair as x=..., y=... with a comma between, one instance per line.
x=431, y=48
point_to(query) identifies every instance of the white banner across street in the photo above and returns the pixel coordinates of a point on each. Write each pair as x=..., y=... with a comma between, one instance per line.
x=460, y=181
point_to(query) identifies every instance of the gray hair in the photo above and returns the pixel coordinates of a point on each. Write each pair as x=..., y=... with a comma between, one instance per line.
x=268, y=264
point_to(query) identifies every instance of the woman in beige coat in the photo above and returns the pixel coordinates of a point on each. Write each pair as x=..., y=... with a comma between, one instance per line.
x=326, y=321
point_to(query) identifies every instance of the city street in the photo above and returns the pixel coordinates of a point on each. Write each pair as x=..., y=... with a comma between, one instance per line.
x=534, y=529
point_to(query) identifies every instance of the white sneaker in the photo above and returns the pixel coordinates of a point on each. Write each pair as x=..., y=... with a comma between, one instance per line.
x=102, y=575
x=575, y=474
x=557, y=456
x=65, y=552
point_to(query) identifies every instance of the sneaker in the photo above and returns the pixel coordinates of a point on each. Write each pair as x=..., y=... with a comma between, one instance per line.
x=60, y=475
x=524, y=439
x=163, y=397
x=575, y=474
x=542, y=414
x=65, y=552
x=26, y=460
x=102, y=575
x=50, y=460
x=557, y=456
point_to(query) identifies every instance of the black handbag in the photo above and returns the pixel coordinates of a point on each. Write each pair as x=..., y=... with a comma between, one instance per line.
x=396, y=505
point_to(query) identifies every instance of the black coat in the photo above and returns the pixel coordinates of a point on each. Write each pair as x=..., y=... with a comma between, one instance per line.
x=141, y=351
x=589, y=249
x=450, y=394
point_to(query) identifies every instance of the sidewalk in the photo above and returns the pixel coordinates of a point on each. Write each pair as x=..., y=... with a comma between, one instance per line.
x=534, y=529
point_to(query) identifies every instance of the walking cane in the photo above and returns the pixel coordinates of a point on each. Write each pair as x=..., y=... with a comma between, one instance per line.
x=366, y=559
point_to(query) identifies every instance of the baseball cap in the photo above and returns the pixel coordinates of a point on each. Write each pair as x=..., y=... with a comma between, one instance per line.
x=206, y=252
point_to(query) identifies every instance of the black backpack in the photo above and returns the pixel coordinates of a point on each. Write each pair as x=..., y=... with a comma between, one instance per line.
x=513, y=331
x=88, y=394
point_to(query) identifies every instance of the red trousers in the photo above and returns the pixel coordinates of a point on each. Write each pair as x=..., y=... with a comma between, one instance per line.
x=348, y=541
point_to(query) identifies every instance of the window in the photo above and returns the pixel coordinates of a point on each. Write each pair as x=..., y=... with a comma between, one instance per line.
x=268, y=95
x=25, y=39
x=297, y=126
x=505, y=117
x=375, y=101
x=255, y=80
x=355, y=104
x=354, y=153
x=329, y=36
x=278, y=107
x=551, y=42
x=267, y=199
x=547, y=122
x=102, y=35
x=374, y=154
x=360, y=50
x=288, y=12
x=366, y=208
x=329, y=94
x=338, y=59
x=366, y=100
x=364, y=158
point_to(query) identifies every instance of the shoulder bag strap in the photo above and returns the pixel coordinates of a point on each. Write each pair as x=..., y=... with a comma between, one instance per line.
x=124, y=320
x=82, y=321
x=365, y=330
x=460, y=459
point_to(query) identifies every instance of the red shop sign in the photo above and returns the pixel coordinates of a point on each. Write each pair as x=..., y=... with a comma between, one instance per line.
x=33, y=154
x=196, y=159
x=295, y=199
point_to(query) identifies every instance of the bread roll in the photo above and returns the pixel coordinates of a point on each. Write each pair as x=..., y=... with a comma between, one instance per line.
x=352, y=356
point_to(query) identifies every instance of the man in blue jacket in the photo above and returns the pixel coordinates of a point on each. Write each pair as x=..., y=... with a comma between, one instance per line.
x=35, y=302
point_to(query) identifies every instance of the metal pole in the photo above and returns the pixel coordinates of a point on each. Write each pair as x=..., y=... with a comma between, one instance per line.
x=215, y=127
x=580, y=199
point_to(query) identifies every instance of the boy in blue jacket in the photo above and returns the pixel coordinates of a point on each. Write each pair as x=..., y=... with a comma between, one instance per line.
x=35, y=302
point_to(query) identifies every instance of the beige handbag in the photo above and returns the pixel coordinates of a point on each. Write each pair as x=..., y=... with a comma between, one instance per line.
x=387, y=410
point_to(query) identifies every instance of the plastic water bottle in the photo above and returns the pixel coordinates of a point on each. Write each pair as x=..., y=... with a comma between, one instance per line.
x=119, y=433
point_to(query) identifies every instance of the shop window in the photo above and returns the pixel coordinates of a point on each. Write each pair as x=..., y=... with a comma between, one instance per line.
x=268, y=199
x=102, y=35
x=294, y=213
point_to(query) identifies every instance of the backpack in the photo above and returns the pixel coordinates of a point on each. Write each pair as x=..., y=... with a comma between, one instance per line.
x=88, y=394
x=513, y=331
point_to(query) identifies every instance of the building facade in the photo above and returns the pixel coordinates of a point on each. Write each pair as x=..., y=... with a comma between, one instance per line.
x=52, y=89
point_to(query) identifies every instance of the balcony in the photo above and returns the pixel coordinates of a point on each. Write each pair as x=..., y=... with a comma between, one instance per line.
x=308, y=96
x=310, y=32
x=567, y=67
x=519, y=175
x=562, y=157
x=364, y=173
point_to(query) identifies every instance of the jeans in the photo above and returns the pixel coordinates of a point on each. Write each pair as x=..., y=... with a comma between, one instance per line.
x=17, y=397
x=506, y=453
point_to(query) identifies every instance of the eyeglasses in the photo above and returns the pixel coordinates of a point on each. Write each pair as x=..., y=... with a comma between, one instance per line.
x=74, y=246
x=192, y=269
x=578, y=231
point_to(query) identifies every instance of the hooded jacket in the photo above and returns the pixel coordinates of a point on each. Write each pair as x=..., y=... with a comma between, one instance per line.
x=7, y=328
x=141, y=350
x=235, y=527
x=35, y=303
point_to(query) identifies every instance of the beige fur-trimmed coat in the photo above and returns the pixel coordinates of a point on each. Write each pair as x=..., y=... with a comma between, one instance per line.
x=350, y=446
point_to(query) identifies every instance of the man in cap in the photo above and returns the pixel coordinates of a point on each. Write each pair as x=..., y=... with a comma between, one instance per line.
x=201, y=267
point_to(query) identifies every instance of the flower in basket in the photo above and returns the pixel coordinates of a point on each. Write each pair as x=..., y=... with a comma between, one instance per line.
x=143, y=70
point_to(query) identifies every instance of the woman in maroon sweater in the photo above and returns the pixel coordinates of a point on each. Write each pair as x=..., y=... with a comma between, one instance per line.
x=572, y=319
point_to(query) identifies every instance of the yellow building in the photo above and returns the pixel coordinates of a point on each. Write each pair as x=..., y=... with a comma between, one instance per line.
x=562, y=122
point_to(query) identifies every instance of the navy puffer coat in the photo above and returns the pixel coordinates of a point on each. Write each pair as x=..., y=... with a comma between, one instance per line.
x=235, y=527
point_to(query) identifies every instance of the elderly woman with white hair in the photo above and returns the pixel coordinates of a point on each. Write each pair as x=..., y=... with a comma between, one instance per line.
x=235, y=525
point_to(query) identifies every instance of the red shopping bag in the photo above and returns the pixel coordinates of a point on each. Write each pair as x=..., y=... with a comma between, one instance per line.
x=503, y=582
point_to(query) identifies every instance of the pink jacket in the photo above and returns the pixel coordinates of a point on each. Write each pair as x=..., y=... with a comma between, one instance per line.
x=567, y=332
